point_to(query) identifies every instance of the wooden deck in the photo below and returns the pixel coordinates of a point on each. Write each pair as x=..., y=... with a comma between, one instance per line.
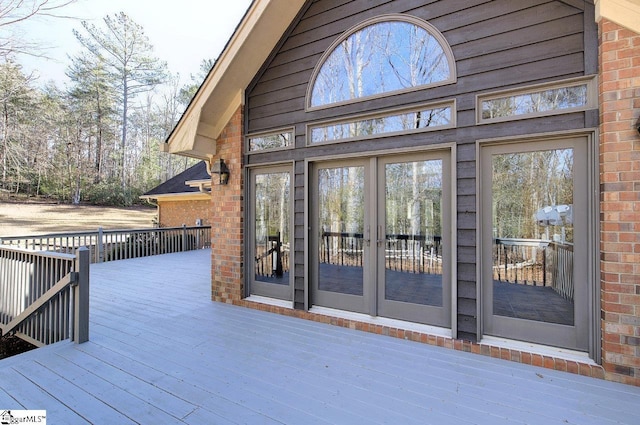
x=162, y=353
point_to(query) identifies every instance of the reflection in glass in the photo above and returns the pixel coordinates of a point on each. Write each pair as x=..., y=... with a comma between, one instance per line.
x=535, y=102
x=341, y=221
x=272, y=243
x=413, y=243
x=271, y=141
x=380, y=58
x=533, y=235
x=410, y=120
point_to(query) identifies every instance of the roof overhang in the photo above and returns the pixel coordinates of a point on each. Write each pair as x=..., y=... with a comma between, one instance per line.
x=623, y=12
x=186, y=196
x=222, y=92
x=202, y=185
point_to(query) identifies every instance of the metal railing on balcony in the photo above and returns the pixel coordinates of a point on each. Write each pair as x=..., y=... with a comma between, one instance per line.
x=404, y=253
x=272, y=257
x=44, y=296
x=535, y=262
x=111, y=245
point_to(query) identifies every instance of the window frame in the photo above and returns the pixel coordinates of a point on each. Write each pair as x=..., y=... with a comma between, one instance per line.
x=396, y=17
x=251, y=283
x=591, y=103
x=248, y=137
x=451, y=103
x=533, y=142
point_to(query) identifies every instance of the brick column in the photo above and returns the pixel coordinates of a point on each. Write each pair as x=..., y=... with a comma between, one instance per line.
x=227, y=218
x=619, y=58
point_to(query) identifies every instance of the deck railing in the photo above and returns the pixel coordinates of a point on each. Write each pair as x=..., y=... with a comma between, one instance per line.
x=110, y=245
x=272, y=257
x=405, y=253
x=536, y=262
x=44, y=296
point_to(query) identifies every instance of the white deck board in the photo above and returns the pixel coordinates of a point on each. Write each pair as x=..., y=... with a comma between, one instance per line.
x=161, y=352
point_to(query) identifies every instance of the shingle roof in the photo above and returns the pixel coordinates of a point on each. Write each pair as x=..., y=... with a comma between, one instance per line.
x=177, y=184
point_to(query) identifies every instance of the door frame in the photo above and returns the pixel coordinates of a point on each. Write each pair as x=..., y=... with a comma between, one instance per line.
x=451, y=148
x=398, y=309
x=265, y=289
x=592, y=302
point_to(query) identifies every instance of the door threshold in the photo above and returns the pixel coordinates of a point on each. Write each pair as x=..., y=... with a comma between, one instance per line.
x=269, y=301
x=382, y=321
x=543, y=350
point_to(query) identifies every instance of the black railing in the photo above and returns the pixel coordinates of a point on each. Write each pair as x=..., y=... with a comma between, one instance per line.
x=405, y=253
x=341, y=248
x=272, y=257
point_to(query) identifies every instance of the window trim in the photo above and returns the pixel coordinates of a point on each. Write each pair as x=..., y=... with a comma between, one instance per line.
x=249, y=136
x=451, y=103
x=592, y=98
x=249, y=228
x=394, y=17
x=594, y=349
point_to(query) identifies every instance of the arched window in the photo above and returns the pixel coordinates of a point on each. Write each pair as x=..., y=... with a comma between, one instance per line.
x=387, y=54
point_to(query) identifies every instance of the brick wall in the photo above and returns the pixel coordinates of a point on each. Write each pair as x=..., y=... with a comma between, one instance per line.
x=176, y=213
x=620, y=201
x=227, y=217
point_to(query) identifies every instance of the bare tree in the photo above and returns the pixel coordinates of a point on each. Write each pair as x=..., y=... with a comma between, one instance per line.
x=13, y=12
x=128, y=57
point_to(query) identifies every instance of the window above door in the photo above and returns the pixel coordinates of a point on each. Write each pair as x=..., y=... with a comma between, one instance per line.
x=385, y=55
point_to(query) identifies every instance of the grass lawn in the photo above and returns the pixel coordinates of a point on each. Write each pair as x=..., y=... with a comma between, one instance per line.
x=18, y=219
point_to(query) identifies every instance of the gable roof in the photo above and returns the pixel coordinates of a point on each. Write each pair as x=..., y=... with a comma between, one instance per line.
x=178, y=183
x=222, y=92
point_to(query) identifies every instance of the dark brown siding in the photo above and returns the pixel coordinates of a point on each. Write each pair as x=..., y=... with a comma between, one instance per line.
x=496, y=44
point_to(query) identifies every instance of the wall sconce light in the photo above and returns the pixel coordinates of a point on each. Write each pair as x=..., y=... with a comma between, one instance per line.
x=220, y=168
x=638, y=125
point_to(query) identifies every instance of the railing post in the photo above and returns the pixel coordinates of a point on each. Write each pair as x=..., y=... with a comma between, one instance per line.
x=184, y=237
x=100, y=252
x=81, y=297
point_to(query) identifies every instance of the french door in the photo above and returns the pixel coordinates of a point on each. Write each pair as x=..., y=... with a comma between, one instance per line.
x=535, y=242
x=270, y=232
x=379, y=236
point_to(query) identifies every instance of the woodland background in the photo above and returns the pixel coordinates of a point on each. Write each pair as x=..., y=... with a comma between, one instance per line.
x=96, y=139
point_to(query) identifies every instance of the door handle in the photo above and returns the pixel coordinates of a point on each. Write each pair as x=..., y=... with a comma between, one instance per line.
x=367, y=236
x=381, y=241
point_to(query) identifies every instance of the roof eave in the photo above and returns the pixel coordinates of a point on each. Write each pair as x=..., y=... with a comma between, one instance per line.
x=222, y=92
x=623, y=12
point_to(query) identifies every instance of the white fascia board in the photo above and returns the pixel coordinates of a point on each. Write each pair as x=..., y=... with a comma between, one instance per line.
x=222, y=92
x=622, y=12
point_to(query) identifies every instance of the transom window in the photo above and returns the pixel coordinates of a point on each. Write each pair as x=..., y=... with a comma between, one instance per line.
x=388, y=54
x=571, y=95
x=424, y=118
x=271, y=141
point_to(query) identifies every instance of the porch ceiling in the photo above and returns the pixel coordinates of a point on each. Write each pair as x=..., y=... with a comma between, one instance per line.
x=222, y=92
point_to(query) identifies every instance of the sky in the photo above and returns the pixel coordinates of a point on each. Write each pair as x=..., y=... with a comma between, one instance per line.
x=183, y=33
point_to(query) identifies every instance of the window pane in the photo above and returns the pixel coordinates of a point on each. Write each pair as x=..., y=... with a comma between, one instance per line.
x=271, y=141
x=412, y=120
x=534, y=102
x=533, y=235
x=341, y=219
x=272, y=244
x=380, y=58
x=413, y=242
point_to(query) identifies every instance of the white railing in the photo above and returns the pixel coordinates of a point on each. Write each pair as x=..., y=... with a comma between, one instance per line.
x=536, y=262
x=44, y=296
x=110, y=245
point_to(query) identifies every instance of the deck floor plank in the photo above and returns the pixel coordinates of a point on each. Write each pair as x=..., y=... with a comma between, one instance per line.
x=161, y=352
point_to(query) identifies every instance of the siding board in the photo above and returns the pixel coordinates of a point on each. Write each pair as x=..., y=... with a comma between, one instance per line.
x=497, y=45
